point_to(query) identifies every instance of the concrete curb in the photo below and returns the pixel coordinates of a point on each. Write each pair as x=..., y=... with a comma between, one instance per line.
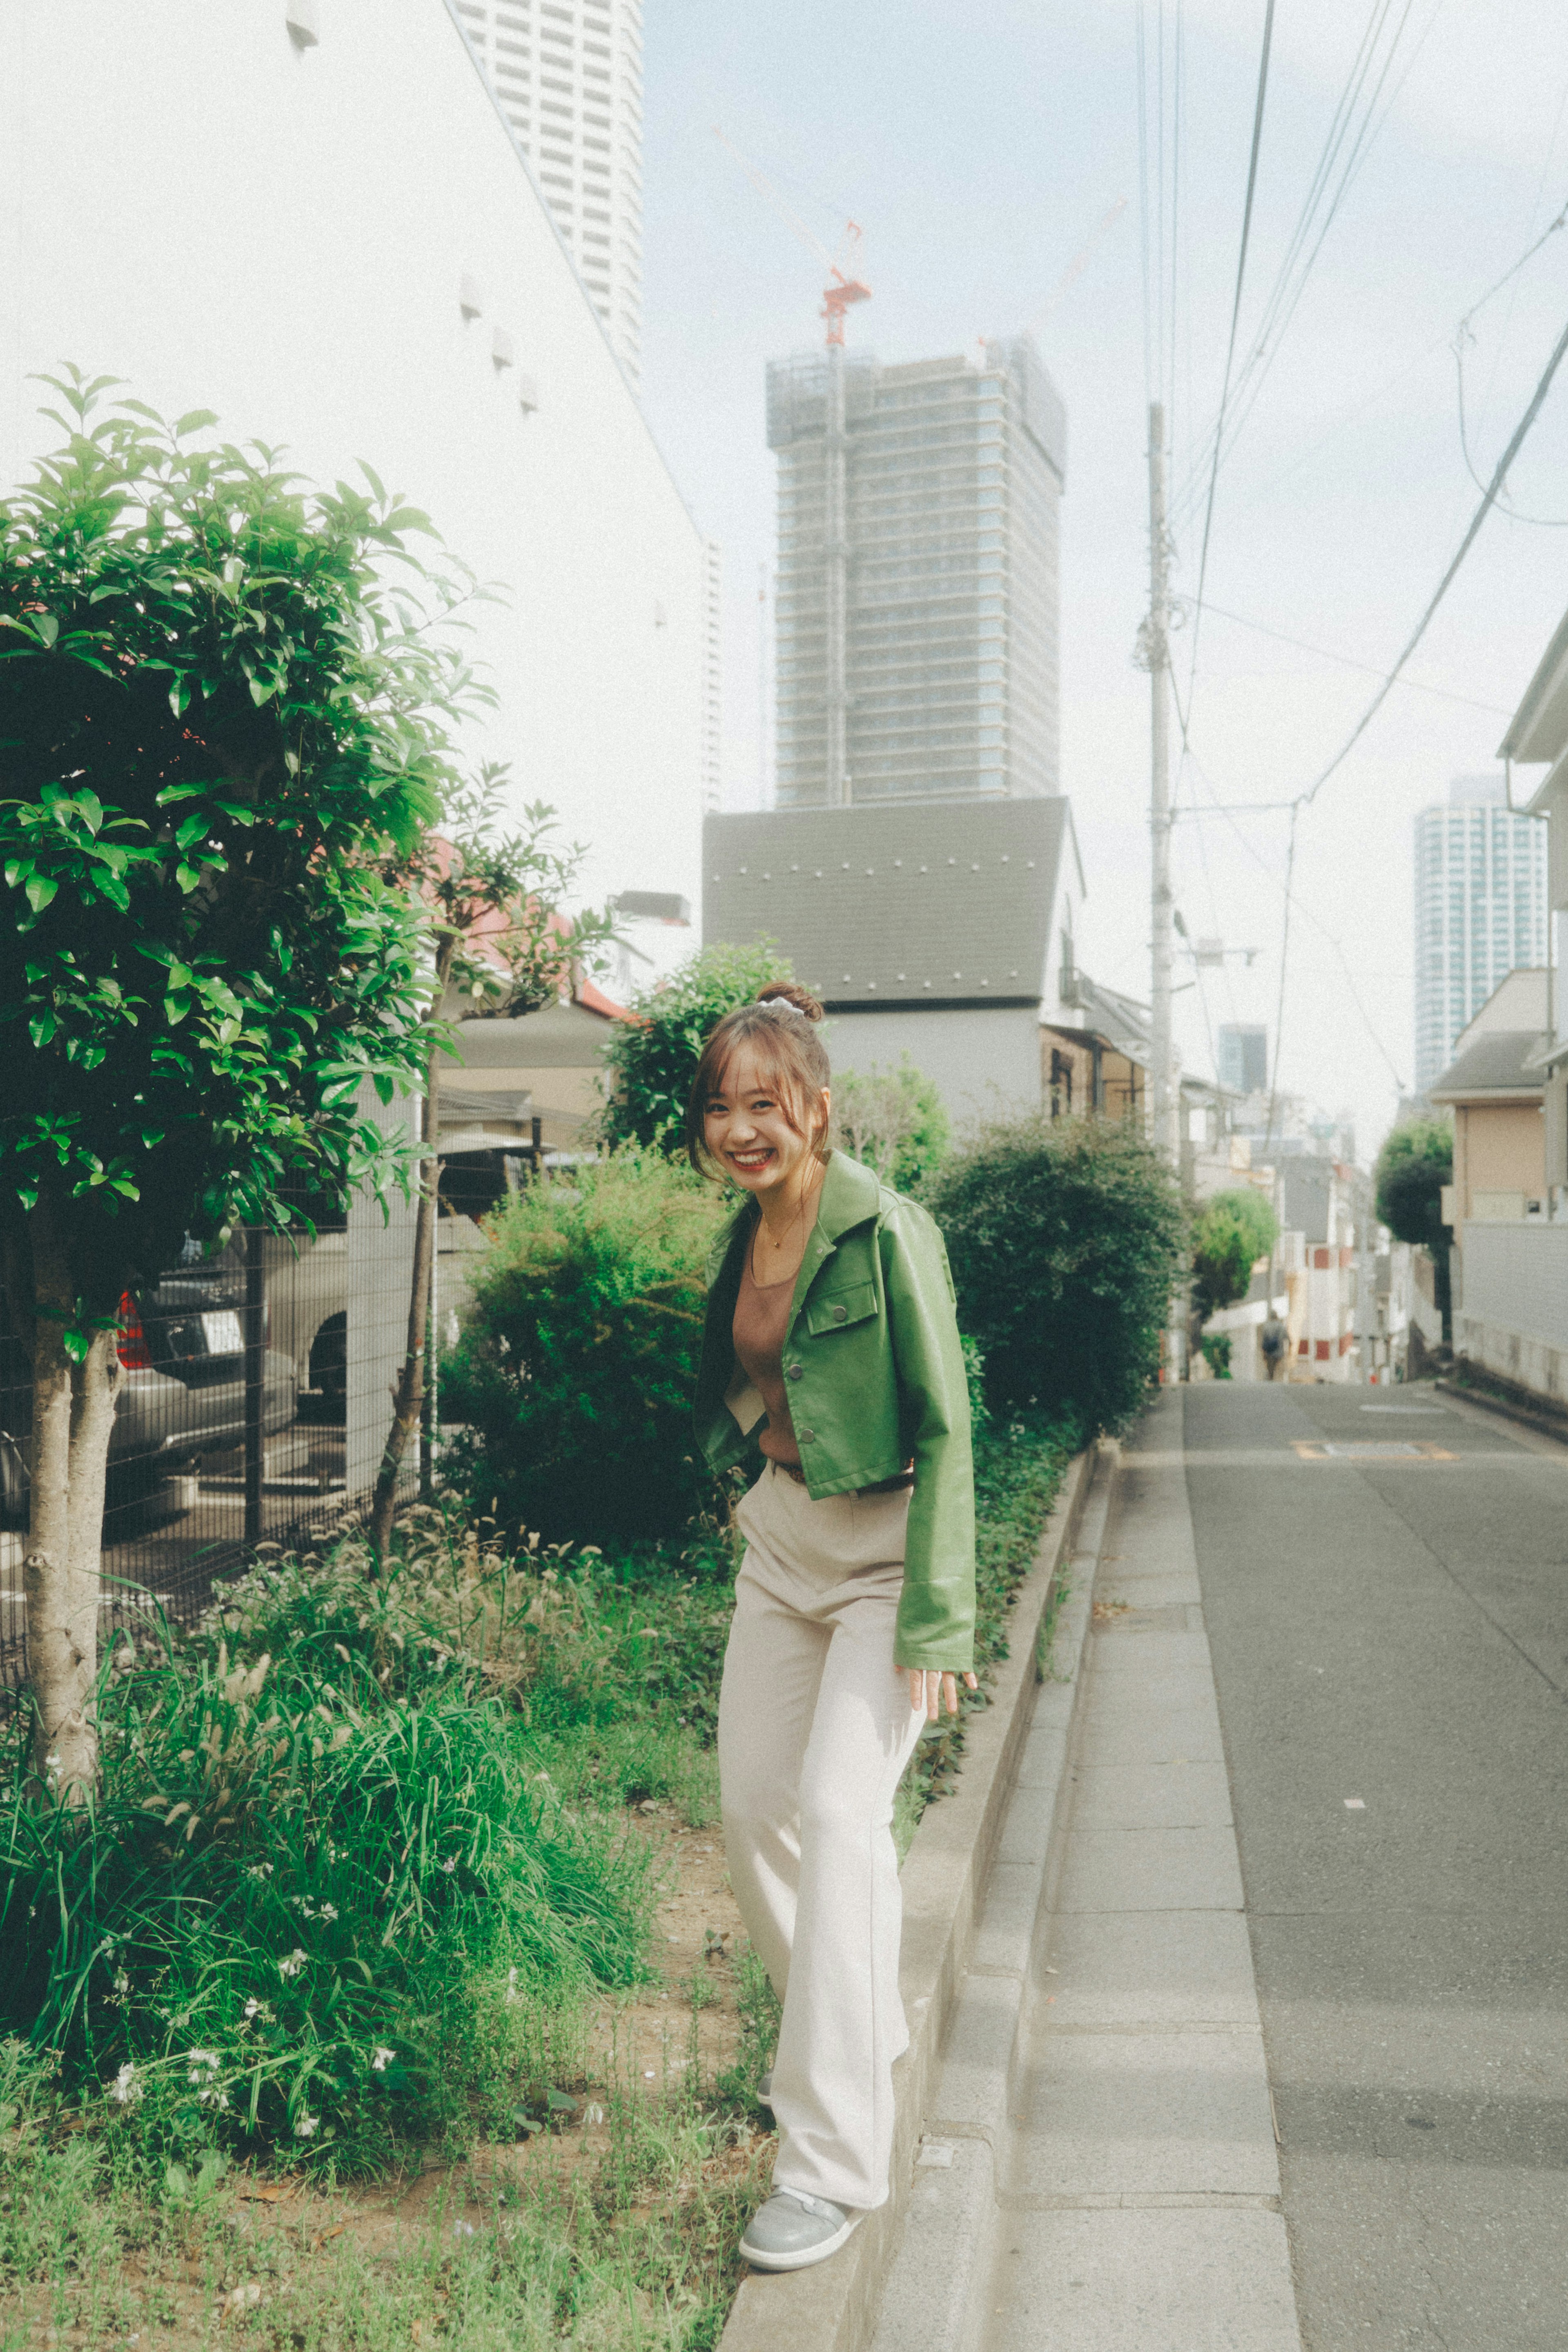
x=833, y=2308
x=1545, y=1423
x=949, y=2240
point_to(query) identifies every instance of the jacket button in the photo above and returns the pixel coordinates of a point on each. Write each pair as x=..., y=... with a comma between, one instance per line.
x=840, y=1314
x=793, y=1372
x=806, y=1436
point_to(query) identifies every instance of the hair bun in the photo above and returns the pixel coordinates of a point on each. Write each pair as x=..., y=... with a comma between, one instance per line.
x=790, y=993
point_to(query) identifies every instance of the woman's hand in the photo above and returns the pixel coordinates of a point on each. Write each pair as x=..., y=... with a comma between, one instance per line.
x=930, y=1692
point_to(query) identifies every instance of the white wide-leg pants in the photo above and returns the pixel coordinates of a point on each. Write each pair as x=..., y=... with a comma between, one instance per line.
x=814, y=1730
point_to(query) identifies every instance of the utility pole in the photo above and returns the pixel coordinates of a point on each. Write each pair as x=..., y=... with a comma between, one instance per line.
x=1157, y=652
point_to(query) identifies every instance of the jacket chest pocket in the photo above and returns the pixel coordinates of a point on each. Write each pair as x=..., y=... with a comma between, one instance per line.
x=836, y=1310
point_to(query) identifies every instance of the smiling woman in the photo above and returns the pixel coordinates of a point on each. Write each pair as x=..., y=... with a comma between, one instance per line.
x=831, y=1365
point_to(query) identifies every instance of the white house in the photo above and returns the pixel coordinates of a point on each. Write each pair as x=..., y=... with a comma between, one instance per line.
x=312, y=216
x=942, y=929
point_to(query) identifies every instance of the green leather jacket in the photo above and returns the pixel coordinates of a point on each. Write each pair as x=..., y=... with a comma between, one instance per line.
x=876, y=1373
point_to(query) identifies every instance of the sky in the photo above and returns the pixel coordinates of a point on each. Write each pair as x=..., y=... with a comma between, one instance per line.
x=978, y=144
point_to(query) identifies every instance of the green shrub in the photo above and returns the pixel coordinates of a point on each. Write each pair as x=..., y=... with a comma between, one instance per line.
x=893, y=1119
x=1063, y=1237
x=577, y=1361
x=307, y=1910
x=1230, y=1233
x=1216, y=1354
x=651, y=1064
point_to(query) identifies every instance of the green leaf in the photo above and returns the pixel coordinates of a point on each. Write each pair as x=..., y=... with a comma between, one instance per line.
x=76, y=1345
x=46, y=628
x=42, y=1027
x=194, y=420
x=40, y=892
x=176, y=1004
x=193, y=829
x=187, y=876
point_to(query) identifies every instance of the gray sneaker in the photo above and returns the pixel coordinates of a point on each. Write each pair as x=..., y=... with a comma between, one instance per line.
x=765, y=2089
x=793, y=2231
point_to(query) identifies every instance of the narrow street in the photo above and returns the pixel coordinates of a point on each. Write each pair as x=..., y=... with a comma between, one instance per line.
x=1390, y=1647
x=1291, y=2071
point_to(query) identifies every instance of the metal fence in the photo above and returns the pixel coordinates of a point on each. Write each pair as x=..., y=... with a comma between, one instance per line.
x=254, y=1408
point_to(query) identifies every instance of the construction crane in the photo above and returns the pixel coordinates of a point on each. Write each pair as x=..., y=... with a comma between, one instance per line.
x=1076, y=266
x=843, y=289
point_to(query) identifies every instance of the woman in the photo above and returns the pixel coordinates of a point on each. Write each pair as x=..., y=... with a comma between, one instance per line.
x=831, y=1363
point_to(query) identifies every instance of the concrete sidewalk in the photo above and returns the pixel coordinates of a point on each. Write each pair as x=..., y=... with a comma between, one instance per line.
x=1127, y=2193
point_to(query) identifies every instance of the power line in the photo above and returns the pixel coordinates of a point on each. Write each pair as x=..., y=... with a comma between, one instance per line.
x=1346, y=661
x=1500, y=475
x=1235, y=322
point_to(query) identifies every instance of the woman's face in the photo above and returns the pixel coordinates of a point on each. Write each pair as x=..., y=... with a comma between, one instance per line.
x=746, y=1128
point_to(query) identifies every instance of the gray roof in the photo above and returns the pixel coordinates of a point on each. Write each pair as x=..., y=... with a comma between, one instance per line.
x=933, y=902
x=1500, y=1061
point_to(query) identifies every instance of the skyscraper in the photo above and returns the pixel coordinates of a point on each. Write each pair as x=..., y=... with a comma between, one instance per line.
x=568, y=75
x=940, y=535
x=1480, y=910
x=1242, y=1055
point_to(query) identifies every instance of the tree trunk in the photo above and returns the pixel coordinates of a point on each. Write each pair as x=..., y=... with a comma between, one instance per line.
x=408, y=1397
x=73, y=1416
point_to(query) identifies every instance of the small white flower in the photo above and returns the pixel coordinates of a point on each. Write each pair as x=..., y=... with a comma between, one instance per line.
x=382, y=2059
x=125, y=2087
x=293, y=1964
x=462, y=2230
x=252, y=2008
x=121, y=1982
x=304, y=2125
x=449, y=1866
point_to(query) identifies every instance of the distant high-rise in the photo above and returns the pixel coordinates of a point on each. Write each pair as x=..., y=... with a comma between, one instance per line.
x=1242, y=1055
x=940, y=534
x=568, y=75
x=1480, y=910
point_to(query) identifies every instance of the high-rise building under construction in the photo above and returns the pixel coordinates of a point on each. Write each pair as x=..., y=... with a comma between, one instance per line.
x=918, y=593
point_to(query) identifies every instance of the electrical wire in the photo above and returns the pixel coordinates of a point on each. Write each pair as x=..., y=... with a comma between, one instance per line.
x=1489, y=499
x=1345, y=661
x=1355, y=120
x=1235, y=324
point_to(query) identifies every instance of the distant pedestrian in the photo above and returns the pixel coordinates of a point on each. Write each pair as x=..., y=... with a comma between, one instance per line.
x=832, y=1366
x=1276, y=1343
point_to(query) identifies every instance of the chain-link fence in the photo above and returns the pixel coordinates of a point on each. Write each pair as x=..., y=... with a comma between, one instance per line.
x=254, y=1407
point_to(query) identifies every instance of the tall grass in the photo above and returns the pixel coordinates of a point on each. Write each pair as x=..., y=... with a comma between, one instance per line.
x=322, y=1878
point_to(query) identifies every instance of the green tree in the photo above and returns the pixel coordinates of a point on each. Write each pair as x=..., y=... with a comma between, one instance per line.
x=480, y=886
x=577, y=1360
x=1230, y=1232
x=1415, y=1162
x=217, y=718
x=893, y=1119
x=651, y=1062
x=1063, y=1237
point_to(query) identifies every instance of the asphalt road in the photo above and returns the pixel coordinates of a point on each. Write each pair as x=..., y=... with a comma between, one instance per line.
x=1390, y=1647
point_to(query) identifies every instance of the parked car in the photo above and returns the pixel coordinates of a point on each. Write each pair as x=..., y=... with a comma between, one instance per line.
x=182, y=1346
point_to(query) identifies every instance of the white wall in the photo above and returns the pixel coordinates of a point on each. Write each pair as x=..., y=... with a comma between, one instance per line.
x=983, y=1063
x=190, y=202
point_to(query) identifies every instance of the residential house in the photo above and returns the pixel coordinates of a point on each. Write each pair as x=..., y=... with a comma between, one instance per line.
x=941, y=930
x=1510, y=1307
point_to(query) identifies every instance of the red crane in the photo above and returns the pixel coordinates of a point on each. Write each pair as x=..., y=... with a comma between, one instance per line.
x=842, y=290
